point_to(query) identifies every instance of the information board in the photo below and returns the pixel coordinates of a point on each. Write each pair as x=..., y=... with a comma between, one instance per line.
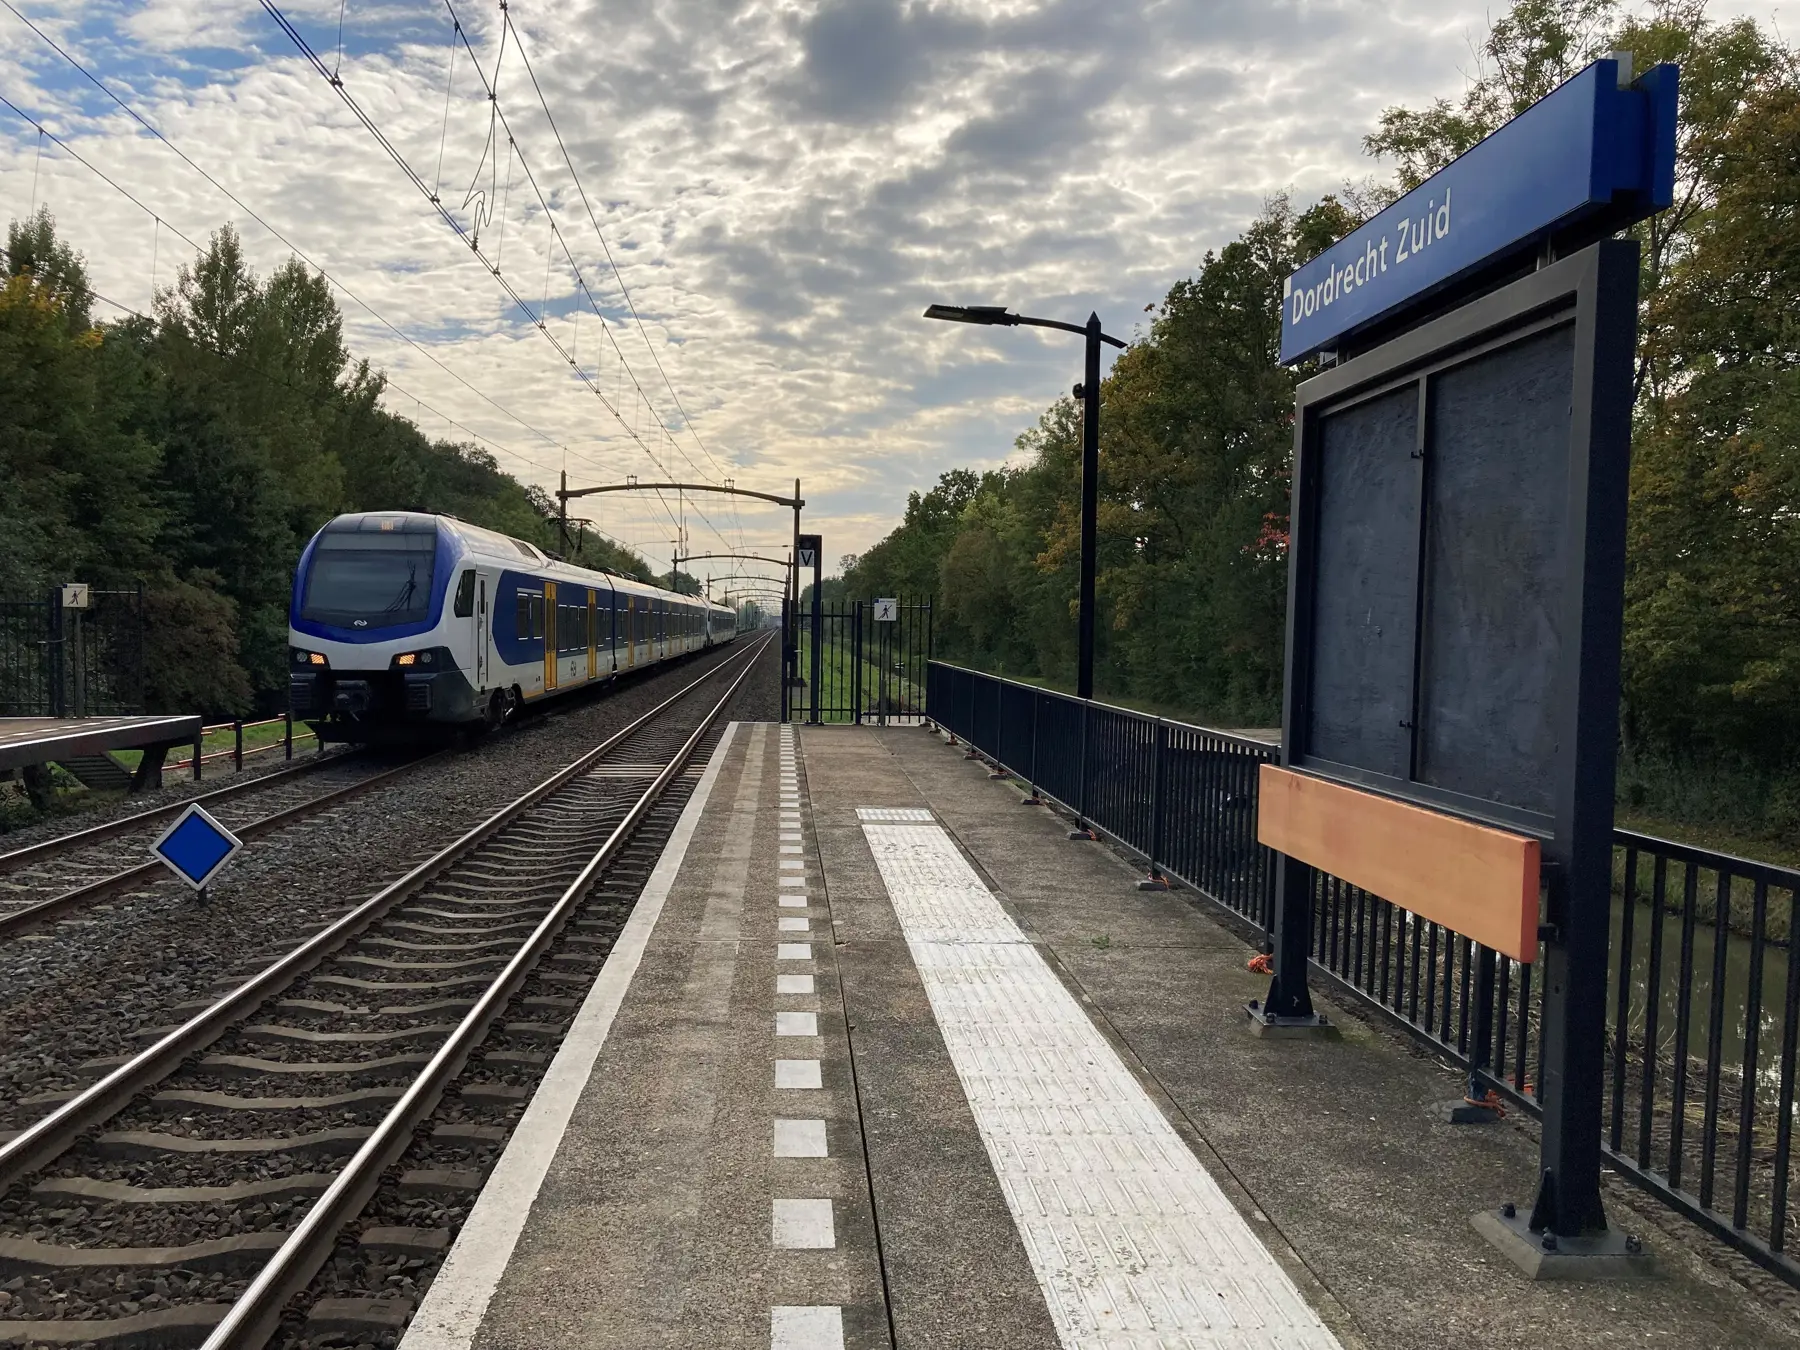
x=1438, y=548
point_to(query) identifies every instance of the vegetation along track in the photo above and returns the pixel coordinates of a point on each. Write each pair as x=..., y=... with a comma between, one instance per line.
x=225, y=1186
x=46, y=880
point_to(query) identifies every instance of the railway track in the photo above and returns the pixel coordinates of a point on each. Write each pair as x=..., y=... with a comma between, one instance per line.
x=198, y=1186
x=47, y=880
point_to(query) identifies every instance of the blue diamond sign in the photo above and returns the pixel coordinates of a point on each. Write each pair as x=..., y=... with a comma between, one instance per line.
x=196, y=846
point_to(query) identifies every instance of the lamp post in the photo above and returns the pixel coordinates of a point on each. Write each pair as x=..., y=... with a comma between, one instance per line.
x=1088, y=391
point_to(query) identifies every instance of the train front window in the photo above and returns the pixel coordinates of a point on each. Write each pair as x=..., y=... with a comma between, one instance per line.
x=370, y=580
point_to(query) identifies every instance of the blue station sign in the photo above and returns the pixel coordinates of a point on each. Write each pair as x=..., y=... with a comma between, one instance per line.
x=1597, y=152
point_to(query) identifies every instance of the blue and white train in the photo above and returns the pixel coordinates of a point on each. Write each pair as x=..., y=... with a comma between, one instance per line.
x=402, y=620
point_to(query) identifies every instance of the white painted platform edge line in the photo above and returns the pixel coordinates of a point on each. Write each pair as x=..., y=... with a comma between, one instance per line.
x=452, y=1311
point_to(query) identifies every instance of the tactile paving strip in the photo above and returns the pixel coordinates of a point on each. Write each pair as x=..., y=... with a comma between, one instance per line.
x=1133, y=1242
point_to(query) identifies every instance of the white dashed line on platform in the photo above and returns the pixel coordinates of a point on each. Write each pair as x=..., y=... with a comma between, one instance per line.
x=800, y=1139
x=798, y=1075
x=792, y=902
x=793, y=923
x=1133, y=1242
x=793, y=951
x=796, y=1024
x=804, y=1224
x=794, y=984
x=806, y=1328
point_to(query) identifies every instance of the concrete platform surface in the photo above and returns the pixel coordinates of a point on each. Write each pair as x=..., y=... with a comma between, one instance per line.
x=882, y=1059
x=38, y=740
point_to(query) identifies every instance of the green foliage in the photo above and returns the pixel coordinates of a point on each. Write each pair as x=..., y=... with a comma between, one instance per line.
x=198, y=450
x=1196, y=432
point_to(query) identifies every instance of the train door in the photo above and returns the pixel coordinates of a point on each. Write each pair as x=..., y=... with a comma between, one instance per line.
x=593, y=640
x=549, y=636
x=481, y=633
x=631, y=633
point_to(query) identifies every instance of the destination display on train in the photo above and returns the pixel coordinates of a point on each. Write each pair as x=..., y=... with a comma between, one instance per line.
x=1599, y=149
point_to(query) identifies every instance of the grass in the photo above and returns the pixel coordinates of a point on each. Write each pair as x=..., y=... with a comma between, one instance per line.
x=837, y=669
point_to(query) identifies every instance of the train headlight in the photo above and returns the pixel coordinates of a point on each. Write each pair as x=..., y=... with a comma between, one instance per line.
x=406, y=659
x=305, y=658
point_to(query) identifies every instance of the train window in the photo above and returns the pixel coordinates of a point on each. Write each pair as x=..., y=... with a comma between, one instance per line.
x=522, y=616
x=465, y=595
x=537, y=616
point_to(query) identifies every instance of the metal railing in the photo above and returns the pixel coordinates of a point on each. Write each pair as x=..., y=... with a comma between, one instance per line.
x=1703, y=979
x=868, y=669
x=58, y=661
x=236, y=752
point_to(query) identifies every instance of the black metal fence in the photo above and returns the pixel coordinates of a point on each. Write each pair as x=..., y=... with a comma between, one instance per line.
x=62, y=661
x=1703, y=978
x=870, y=667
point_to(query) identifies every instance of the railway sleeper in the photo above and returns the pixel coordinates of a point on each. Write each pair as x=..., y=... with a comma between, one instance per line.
x=184, y=1324
x=147, y=1144
x=22, y=1256
x=303, y=1186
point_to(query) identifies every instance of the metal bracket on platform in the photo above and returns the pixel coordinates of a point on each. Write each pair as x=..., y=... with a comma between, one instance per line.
x=1605, y=1255
x=1273, y=1026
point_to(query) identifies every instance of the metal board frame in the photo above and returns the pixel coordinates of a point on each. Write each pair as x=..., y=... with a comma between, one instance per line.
x=1594, y=291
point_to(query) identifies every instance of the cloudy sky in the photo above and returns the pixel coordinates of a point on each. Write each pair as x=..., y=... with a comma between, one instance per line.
x=779, y=186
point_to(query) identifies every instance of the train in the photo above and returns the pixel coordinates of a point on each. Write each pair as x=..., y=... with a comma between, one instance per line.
x=404, y=623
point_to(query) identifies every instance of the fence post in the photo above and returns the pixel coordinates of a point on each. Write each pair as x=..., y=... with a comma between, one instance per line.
x=53, y=648
x=1031, y=797
x=1156, y=881
x=1082, y=829
x=237, y=747
x=856, y=664
x=287, y=738
x=199, y=738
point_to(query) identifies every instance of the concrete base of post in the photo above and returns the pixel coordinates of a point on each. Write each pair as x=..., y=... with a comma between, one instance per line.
x=1153, y=883
x=1085, y=835
x=1465, y=1112
x=1270, y=1027
x=1611, y=1255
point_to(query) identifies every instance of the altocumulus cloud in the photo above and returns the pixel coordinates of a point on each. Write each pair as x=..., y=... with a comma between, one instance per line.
x=783, y=186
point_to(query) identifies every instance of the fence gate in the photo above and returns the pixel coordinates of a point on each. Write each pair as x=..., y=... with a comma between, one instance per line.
x=62, y=661
x=871, y=667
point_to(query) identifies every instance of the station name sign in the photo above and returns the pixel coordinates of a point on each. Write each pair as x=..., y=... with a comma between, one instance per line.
x=1597, y=152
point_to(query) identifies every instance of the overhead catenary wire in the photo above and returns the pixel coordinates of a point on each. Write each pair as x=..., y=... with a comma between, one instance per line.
x=499, y=122
x=398, y=157
x=159, y=224
x=362, y=304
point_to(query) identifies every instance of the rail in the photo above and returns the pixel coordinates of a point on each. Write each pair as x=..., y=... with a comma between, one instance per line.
x=1703, y=978
x=299, y=1254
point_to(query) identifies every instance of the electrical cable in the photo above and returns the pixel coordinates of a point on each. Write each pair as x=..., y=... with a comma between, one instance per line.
x=367, y=308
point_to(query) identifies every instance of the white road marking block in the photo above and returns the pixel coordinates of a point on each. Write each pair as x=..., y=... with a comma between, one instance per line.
x=794, y=984
x=1132, y=1241
x=804, y=1224
x=792, y=837
x=796, y=1024
x=814, y=1328
x=793, y=951
x=800, y=1139
x=798, y=1074
x=793, y=923
x=791, y=901
x=793, y=865
x=793, y=848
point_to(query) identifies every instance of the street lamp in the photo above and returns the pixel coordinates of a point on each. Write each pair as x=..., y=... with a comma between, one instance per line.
x=1088, y=391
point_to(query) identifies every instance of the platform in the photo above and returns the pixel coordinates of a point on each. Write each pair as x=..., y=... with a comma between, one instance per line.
x=883, y=1059
x=41, y=740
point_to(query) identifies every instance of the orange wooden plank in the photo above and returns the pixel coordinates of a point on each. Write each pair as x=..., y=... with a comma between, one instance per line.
x=1480, y=881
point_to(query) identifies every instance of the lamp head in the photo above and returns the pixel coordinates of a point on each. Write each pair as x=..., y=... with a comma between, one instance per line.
x=991, y=314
